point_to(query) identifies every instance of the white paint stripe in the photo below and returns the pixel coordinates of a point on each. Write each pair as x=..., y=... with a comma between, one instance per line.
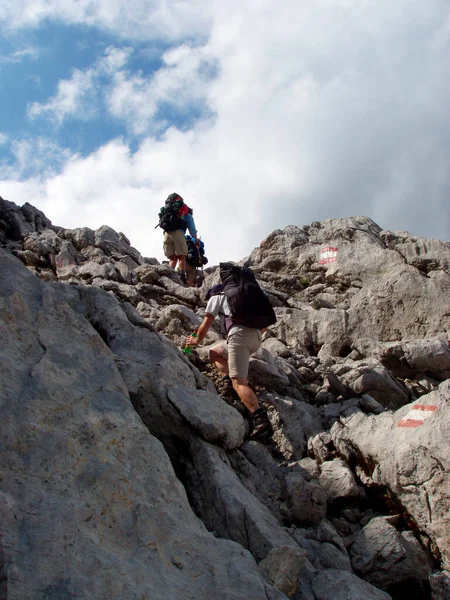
x=417, y=415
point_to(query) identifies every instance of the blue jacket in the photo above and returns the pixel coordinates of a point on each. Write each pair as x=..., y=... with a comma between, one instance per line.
x=189, y=219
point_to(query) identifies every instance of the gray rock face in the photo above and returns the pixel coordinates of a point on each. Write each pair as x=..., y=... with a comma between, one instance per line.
x=338, y=481
x=295, y=422
x=342, y=585
x=440, y=585
x=123, y=473
x=406, y=359
x=370, y=377
x=227, y=507
x=374, y=293
x=282, y=567
x=306, y=502
x=385, y=557
x=418, y=472
x=93, y=508
x=16, y=224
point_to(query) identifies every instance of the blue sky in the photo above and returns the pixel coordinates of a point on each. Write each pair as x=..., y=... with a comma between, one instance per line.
x=260, y=114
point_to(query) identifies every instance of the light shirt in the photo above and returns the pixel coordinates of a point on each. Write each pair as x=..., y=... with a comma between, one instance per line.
x=218, y=305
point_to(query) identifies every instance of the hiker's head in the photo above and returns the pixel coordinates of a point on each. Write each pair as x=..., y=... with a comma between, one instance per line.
x=173, y=197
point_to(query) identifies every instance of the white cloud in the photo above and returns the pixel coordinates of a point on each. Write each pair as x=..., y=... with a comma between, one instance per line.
x=319, y=109
x=19, y=56
x=79, y=96
x=38, y=155
x=73, y=97
x=179, y=83
x=133, y=98
x=140, y=19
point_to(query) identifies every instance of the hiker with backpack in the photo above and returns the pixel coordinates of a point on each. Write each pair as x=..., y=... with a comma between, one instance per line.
x=245, y=312
x=195, y=259
x=175, y=217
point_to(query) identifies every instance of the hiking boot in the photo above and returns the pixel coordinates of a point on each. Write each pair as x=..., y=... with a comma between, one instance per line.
x=260, y=426
x=199, y=280
x=182, y=275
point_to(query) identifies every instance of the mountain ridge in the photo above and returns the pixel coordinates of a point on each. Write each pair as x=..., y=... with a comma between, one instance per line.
x=359, y=349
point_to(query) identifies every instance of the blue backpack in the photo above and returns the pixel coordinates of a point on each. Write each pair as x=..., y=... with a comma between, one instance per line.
x=196, y=252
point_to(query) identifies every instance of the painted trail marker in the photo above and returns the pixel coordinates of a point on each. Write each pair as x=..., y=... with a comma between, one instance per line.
x=418, y=415
x=328, y=255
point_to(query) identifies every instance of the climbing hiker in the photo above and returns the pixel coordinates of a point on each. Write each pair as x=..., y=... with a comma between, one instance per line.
x=175, y=217
x=245, y=313
x=196, y=259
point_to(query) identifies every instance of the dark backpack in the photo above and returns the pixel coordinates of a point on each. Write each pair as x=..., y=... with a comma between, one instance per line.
x=171, y=216
x=196, y=253
x=249, y=305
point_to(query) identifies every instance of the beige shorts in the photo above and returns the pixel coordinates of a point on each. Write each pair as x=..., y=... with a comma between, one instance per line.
x=241, y=343
x=175, y=243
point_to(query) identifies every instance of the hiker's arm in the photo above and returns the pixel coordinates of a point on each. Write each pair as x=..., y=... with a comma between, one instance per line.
x=191, y=225
x=202, y=331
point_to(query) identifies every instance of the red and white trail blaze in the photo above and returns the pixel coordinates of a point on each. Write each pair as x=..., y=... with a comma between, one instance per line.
x=417, y=415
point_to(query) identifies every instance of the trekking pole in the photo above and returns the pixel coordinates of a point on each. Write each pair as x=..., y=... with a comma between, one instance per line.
x=187, y=348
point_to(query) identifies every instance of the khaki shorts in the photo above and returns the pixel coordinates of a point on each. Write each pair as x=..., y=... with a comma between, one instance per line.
x=241, y=343
x=175, y=243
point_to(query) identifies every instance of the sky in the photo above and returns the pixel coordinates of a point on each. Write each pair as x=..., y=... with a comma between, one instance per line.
x=259, y=113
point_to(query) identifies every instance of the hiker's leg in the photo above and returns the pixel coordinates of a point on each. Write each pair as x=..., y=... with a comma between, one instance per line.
x=191, y=273
x=180, y=247
x=247, y=396
x=169, y=249
x=242, y=342
x=180, y=251
x=219, y=356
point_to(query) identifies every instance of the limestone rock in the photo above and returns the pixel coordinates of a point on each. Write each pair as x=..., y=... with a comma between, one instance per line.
x=342, y=585
x=362, y=334
x=295, y=421
x=385, y=557
x=338, y=481
x=417, y=473
x=89, y=502
x=306, y=502
x=226, y=506
x=282, y=567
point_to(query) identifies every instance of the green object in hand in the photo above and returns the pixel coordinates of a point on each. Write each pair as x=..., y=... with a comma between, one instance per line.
x=188, y=349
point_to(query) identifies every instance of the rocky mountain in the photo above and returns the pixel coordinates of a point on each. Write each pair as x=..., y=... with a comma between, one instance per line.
x=123, y=472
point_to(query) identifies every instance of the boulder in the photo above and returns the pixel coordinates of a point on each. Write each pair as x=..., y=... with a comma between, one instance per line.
x=417, y=474
x=342, y=585
x=90, y=505
x=386, y=558
x=338, y=481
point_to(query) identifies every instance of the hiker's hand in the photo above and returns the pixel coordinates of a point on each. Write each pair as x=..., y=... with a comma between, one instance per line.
x=191, y=341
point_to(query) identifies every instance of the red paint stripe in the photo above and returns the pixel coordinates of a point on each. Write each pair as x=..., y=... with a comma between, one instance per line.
x=410, y=423
x=427, y=407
